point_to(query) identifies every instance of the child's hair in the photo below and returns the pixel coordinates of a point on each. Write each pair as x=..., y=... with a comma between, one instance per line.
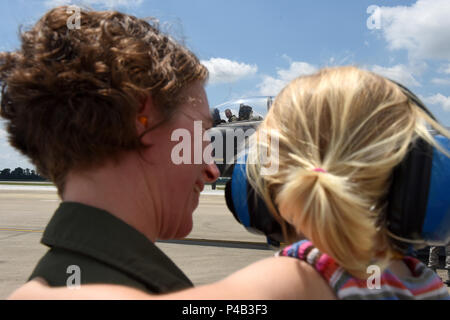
x=340, y=134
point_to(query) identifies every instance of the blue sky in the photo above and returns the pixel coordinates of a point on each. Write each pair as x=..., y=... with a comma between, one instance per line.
x=254, y=47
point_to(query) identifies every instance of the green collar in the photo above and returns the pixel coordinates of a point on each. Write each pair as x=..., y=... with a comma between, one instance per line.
x=100, y=235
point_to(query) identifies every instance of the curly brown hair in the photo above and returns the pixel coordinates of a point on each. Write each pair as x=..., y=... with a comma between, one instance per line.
x=71, y=96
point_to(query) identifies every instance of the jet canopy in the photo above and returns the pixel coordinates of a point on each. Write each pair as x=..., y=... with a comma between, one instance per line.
x=241, y=110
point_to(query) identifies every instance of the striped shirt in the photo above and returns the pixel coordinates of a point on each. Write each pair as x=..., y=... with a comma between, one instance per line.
x=423, y=284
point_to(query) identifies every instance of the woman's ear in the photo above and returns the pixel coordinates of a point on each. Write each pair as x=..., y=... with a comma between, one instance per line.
x=145, y=111
x=148, y=118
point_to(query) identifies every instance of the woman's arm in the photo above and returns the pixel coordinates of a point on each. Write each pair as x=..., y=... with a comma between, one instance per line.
x=268, y=279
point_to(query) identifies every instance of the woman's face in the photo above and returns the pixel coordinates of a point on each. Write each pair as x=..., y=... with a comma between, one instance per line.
x=179, y=171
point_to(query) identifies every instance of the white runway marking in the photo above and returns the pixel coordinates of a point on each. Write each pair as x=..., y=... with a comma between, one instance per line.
x=52, y=188
x=213, y=193
x=26, y=188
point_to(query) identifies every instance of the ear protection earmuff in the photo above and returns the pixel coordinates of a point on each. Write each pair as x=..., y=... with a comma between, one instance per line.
x=248, y=207
x=418, y=212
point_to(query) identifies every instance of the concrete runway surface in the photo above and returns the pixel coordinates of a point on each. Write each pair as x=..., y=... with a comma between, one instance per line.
x=216, y=247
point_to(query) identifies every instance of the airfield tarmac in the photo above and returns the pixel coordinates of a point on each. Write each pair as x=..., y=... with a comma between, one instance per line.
x=216, y=247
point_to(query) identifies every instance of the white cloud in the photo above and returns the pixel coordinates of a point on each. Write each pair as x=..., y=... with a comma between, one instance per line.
x=441, y=81
x=295, y=70
x=423, y=29
x=438, y=99
x=399, y=73
x=3, y=137
x=445, y=68
x=109, y=4
x=9, y=157
x=271, y=86
x=226, y=71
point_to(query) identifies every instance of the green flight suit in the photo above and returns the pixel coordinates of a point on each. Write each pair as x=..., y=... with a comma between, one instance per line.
x=105, y=250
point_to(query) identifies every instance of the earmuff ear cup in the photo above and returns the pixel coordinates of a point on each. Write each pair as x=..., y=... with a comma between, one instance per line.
x=408, y=196
x=249, y=208
x=436, y=227
x=418, y=210
x=238, y=194
x=261, y=218
x=229, y=200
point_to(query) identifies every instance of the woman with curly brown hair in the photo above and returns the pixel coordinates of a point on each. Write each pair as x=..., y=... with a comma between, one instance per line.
x=94, y=108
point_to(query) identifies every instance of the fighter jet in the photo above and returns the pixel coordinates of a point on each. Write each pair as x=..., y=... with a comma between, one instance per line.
x=233, y=123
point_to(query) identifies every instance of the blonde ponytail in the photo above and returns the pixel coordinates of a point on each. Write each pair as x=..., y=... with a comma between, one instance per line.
x=324, y=208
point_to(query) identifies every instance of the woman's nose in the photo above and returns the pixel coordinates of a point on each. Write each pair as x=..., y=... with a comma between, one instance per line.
x=212, y=173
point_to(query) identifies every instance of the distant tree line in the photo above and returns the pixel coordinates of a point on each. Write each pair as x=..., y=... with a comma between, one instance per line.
x=20, y=174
